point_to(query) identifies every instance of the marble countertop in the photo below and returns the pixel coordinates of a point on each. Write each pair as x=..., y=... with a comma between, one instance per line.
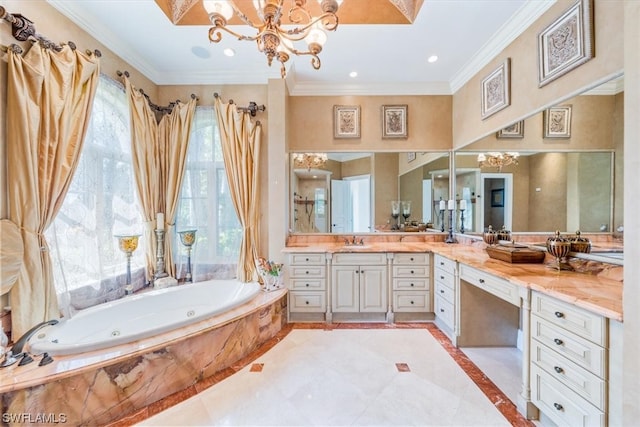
x=599, y=293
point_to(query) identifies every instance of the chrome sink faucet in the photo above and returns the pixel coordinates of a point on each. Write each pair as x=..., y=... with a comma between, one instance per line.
x=354, y=241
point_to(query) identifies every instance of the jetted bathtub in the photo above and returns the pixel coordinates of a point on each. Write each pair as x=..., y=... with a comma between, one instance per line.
x=141, y=315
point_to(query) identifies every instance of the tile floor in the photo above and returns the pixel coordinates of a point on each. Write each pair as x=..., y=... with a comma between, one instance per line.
x=346, y=376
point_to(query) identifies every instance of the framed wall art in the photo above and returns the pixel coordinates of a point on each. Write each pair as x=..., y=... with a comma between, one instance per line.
x=496, y=90
x=557, y=122
x=566, y=43
x=346, y=121
x=497, y=198
x=394, y=121
x=516, y=130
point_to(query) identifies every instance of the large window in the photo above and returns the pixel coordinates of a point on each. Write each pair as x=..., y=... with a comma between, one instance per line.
x=102, y=202
x=205, y=205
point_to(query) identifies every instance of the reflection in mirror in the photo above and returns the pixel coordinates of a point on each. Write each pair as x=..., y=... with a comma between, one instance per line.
x=544, y=192
x=355, y=192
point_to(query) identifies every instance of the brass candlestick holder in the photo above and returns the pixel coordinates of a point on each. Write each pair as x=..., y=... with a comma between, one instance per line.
x=128, y=244
x=188, y=239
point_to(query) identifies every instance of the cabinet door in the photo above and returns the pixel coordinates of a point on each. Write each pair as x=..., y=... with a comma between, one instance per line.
x=345, y=280
x=373, y=288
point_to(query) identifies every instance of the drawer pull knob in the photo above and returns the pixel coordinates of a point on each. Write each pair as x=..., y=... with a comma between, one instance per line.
x=481, y=280
x=558, y=341
x=441, y=263
x=411, y=284
x=411, y=302
x=442, y=291
x=411, y=258
x=306, y=302
x=442, y=310
x=306, y=272
x=558, y=406
x=558, y=369
x=441, y=277
x=307, y=285
x=306, y=259
x=559, y=314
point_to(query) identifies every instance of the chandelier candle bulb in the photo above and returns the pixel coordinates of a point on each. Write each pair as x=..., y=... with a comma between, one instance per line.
x=452, y=205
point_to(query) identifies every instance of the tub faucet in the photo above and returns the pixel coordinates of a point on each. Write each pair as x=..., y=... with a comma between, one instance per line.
x=19, y=345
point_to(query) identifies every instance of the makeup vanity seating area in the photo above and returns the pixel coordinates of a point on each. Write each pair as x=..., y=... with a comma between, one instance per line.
x=565, y=326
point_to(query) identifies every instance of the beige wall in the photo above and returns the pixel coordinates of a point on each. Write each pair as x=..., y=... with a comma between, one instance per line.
x=526, y=97
x=311, y=129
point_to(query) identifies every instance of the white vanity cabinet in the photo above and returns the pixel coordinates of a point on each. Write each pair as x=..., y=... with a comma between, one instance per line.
x=307, y=285
x=444, y=277
x=569, y=362
x=410, y=276
x=359, y=283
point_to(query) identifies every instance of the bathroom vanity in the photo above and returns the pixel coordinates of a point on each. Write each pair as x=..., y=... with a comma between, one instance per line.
x=565, y=326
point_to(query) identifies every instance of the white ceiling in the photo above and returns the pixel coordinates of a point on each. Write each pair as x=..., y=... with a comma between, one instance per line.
x=389, y=59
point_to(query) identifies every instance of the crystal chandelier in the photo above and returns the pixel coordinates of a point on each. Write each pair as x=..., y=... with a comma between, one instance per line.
x=273, y=39
x=497, y=160
x=309, y=160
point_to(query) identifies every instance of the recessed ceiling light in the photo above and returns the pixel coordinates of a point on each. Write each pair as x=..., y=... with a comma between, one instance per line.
x=229, y=52
x=433, y=58
x=353, y=74
x=200, y=52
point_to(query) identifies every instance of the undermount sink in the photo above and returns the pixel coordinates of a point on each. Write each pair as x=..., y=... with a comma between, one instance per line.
x=349, y=248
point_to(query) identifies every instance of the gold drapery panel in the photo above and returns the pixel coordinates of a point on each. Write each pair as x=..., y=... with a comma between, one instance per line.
x=241, y=152
x=174, y=131
x=49, y=99
x=145, y=153
x=159, y=158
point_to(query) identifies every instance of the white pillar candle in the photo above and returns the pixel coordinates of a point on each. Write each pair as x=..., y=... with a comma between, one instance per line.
x=159, y=221
x=463, y=204
x=443, y=205
x=452, y=204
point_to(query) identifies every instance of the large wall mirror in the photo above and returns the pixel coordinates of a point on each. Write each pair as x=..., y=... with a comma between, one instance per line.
x=569, y=171
x=356, y=192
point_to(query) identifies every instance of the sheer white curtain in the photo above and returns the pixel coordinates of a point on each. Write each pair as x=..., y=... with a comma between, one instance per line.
x=205, y=205
x=89, y=268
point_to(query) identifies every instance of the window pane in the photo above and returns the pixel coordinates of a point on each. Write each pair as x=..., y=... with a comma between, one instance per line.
x=205, y=205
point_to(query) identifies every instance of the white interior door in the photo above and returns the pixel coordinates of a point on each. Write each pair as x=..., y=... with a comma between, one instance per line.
x=339, y=198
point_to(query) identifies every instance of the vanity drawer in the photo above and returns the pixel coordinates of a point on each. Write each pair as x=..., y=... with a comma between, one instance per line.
x=446, y=264
x=308, y=284
x=560, y=403
x=410, y=301
x=410, y=284
x=577, y=349
x=445, y=292
x=444, y=310
x=411, y=258
x=583, y=382
x=360, y=259
x=410, y=271
x=490, y=283
x=310, y=302
x=581, y=322
x=307, y=259
x=444, y=278
x=306, y=271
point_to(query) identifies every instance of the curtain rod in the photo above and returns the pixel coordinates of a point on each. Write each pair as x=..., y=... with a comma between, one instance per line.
x=22, y=29
x=252, y=109
x=158, y=108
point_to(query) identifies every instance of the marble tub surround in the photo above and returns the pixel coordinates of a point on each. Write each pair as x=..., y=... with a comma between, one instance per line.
x=99, y=387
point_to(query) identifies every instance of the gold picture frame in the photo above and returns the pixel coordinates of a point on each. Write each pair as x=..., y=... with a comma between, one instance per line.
x=557, y=122
x=394, y=121
x=346, y=121
x=516, y=130
x=496, y=92
x=566, y=43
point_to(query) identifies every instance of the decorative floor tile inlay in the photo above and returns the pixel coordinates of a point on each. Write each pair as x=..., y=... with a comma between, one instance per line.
x=403, y=367
x=256, y=367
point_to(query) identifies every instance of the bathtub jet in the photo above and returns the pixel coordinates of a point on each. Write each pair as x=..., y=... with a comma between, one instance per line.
x=141, y=316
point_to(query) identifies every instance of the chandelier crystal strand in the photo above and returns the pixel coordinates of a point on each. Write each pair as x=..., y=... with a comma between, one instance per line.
x=272, y=39
x=497, y=160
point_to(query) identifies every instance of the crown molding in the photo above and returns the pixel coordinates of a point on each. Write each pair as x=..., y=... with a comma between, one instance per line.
x=523, y=18
x=372, y=89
